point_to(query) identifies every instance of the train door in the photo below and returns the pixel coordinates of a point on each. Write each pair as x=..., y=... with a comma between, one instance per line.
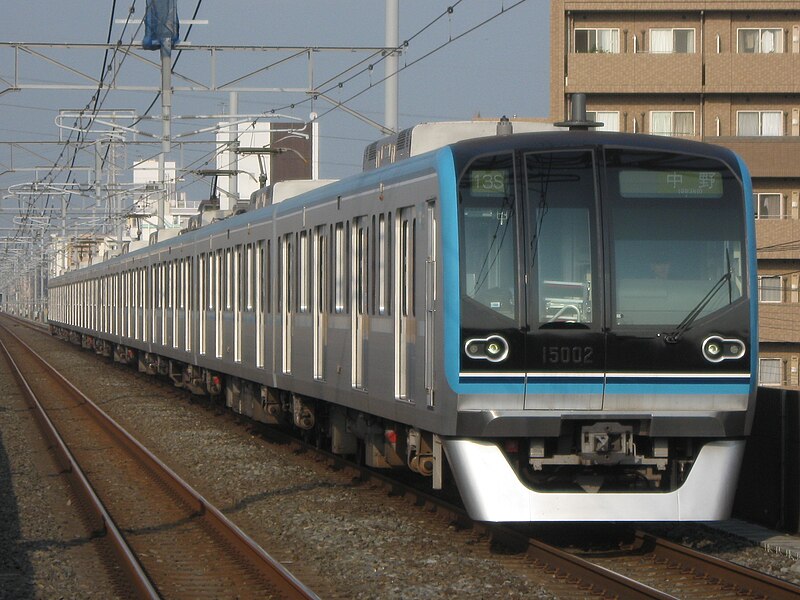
x=565, y=339
x=320, y=300
x=404, y=321
x=430, y=302
x=359, y=297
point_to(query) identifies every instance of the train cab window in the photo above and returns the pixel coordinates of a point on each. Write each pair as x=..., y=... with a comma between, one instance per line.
x=488, y=238
x=560, y=202
x=677, y=237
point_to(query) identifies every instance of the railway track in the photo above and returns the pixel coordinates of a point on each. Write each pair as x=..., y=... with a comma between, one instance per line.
x=168, y=540
x=645, y=568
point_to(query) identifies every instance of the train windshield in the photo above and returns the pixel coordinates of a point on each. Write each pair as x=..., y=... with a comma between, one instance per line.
x=677, y=237
x=489, y=233
x=672, y=240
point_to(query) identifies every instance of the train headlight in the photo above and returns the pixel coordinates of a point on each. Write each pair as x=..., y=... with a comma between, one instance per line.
x=494, y=348
x=717, y=349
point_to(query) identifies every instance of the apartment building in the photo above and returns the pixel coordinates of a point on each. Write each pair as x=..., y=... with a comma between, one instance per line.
x=724, y=72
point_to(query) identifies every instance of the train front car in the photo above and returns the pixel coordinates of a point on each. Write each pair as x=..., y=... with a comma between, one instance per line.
x=603, y=343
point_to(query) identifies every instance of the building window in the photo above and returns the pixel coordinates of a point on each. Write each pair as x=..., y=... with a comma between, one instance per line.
x=759, y=123
x=768, y=206
x=770, y=289
x=609, y=119
x=597, y=40
x=672, y=41
x=770, y=371
x=760, y=41
x=673, y=123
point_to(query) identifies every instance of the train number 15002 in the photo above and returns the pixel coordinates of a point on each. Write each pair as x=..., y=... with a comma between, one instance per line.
x=567, y=355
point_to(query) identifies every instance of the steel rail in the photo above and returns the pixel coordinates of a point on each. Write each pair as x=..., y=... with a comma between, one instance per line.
x=285, y=583
x=746, y=580
x=81, y=485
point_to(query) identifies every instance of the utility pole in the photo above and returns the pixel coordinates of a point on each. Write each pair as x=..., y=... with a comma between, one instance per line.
x=166, y=118
x=233, y=165
x=392, y=62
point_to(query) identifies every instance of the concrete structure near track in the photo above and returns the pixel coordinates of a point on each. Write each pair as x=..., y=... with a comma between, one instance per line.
x=719, y=71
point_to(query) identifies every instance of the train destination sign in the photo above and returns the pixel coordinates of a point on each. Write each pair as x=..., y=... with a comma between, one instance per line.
x=670, y=184
x=492, y=182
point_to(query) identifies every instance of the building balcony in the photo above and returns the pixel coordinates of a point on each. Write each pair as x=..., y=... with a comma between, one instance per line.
x=635, y=73
x=752, y=73
x=765, y=156
x=777, y=239
x=644, y=73
x=779, y=323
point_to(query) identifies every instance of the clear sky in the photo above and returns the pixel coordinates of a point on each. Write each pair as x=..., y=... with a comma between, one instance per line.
x=502, y=67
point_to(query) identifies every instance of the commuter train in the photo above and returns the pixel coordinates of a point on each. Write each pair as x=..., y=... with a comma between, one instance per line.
x=562, y=322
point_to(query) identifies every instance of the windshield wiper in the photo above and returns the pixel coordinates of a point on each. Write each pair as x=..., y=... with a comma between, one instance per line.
x=675, y=335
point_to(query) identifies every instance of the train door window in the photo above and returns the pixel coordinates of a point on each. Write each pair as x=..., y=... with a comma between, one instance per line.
x=268, y=278
x=303, y=280
x=359, y=297
x=404, y=300
x=287, y=266
x=228, y=279
x=320, y=300
x=407, y=237
x=176, y=290
x=202, y=302
x=258, y=291
x=382, y=266
x=218, y=298
x=561, y=200
x=340, y=245
x=249, y=273
x=190, y=303
x=238, y=285
x=430, y=301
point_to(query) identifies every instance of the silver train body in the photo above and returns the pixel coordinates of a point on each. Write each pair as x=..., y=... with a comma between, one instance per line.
x=485, y=309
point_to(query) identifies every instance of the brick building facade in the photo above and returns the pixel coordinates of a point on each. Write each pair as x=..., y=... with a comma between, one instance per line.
x=724, y=72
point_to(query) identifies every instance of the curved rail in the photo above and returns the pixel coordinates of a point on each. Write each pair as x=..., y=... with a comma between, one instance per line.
x=80, y=483
x=285, y=584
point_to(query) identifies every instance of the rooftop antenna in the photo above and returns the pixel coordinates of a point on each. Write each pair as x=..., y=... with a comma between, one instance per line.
x=578, y=120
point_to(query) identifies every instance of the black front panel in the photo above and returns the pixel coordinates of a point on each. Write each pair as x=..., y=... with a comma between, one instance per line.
x=677, y=268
